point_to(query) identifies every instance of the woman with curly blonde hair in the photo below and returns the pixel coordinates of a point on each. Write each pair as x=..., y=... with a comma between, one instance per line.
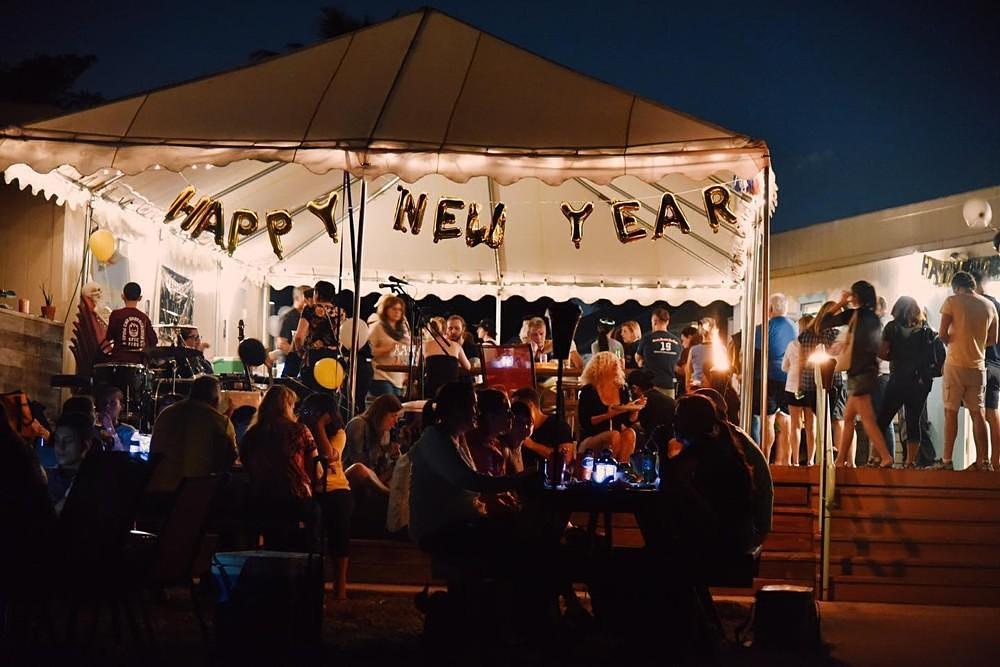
x=605, y=414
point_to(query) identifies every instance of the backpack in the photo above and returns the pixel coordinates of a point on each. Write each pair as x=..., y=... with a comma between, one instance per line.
x=933, y=354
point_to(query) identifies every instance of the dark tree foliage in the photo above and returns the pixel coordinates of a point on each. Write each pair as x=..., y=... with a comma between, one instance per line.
x=47, y=80
x=335, y=21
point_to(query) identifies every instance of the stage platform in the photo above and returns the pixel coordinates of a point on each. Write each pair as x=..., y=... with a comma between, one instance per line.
x=910, y=536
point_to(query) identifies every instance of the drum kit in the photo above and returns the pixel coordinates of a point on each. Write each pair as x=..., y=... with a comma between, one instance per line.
x=165, y=378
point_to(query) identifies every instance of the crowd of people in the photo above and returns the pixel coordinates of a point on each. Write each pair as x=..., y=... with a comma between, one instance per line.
x=885, y=362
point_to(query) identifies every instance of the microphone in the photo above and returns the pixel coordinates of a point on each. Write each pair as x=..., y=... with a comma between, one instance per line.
x=394, y=279
x=387, y=285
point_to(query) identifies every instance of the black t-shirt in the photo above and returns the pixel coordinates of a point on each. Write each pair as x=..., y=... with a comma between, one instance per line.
x=552, y=433
x=591, y=406
x=471, y=349
x=289, y=323
x=659, y=411
x=660, y=351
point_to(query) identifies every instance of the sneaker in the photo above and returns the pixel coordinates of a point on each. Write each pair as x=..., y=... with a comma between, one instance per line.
x=942, y=465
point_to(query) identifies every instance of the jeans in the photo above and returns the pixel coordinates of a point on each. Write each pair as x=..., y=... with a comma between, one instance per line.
x=755, y=429
x=909, y=393
x=888, y=432
x=380, y=387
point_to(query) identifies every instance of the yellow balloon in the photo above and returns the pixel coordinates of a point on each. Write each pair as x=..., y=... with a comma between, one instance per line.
x=102, y=245
x=328, y=373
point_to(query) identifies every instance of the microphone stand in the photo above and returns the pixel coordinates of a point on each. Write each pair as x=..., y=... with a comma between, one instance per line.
x=413, y=310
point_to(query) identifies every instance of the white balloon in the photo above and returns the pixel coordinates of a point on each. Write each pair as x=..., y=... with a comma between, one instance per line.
x=977, y=213
x=347, y=333
x=274, y=325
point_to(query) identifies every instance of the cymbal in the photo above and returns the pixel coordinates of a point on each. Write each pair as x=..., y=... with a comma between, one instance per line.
x=171, y=352
x=175, y=326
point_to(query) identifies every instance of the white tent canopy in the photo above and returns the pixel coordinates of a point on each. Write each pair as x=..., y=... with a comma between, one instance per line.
x=436, y=105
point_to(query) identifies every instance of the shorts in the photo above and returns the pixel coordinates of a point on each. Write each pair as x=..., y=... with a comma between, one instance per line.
x=777, y=398
x=802, y=400
x=992, y=387
x=337, y=508
x=838, y=401
x=864, y=384
x=963, y=385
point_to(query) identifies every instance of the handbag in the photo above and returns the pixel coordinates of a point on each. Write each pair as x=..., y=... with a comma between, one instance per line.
x=847, y=349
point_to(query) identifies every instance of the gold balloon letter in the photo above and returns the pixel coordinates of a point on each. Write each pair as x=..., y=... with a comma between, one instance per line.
x=717, y=205
x=243, y=223
x=407, y=211
x=576, y=219
x=444, y=220
x=669, y=215
x=278, y=224
x=193, y=218
x=212, y=221
x=626, y=225
x=323, y=208
x=474, y=234
x=498, y=224
x=181, y=204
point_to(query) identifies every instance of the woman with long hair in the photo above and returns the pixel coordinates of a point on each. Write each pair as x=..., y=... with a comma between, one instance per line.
x=279, y=456
x=815, y=335
x=369, y=442
x=389, y=338
x=800, y=405
x=606, y=415
x=320, y=414
x=605, y=342
x=707, y=472
x=437, y=344
x=906, y=344
x=864, y=335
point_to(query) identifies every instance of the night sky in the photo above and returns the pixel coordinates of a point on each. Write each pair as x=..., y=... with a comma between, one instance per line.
x=865, y=105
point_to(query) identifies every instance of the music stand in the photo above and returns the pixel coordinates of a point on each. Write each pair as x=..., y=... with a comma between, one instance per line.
x=508, y=367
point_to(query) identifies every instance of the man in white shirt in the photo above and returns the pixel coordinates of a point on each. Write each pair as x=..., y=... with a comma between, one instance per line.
x=968, y=327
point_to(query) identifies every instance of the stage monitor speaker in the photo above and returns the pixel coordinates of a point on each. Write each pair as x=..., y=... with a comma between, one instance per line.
x=563, y=320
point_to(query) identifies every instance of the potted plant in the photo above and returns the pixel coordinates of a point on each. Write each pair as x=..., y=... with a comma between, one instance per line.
x=48, y=310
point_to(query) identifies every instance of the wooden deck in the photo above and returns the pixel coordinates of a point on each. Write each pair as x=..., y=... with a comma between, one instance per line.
x=927, y=537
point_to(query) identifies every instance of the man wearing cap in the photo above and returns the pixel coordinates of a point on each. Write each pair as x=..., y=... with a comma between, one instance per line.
x=130, y=330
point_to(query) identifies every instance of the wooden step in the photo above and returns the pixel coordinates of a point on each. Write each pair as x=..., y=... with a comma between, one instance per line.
x=881, y=589
x=917, y=572
x=913, y=529
x=893, y=549
x=915, y=507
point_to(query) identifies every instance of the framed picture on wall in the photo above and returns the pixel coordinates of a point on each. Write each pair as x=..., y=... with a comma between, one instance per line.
x=176, y=298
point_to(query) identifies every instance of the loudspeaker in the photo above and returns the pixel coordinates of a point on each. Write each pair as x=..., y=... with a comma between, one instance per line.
x=563, y=320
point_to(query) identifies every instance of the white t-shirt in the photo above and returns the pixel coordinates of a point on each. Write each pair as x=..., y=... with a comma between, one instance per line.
x=378, y=336
x=791, y=365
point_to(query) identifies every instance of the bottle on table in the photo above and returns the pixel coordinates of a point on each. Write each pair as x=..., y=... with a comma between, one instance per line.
x=587, y=465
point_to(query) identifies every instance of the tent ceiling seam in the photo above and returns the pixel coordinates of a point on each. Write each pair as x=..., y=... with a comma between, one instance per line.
x=399, y=74
x=128, y=129
x=326, y=89
x=628, y=122
x=461, y=91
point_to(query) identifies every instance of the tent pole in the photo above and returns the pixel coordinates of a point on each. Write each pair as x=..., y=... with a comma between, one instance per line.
x=747, y=315
x=357, y=295
x=765, y=295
